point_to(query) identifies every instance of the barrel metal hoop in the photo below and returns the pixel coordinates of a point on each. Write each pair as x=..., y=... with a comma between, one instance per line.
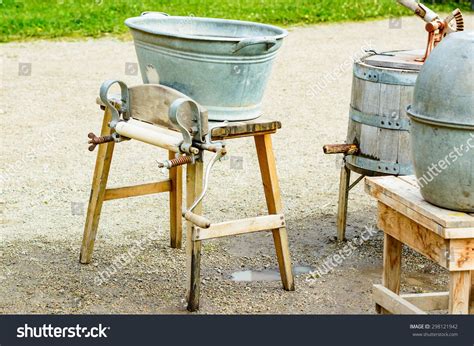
x=378, y=75
x=377, y=120
x=383, y=167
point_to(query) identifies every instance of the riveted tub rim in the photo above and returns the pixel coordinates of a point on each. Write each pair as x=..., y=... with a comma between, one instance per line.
x=132, y=24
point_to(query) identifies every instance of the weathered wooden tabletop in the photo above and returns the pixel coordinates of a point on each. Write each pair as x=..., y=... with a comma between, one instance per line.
x=403, y=195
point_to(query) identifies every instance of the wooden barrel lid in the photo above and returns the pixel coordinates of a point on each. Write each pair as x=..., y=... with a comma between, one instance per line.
x=402, y=60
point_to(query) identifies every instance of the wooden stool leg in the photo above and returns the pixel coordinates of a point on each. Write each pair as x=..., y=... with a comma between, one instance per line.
x=194, y=176
x=345, y=179
x=459, y=292
x=271, y=187
x=392, y=266
x=176, y=193
x=99, y=184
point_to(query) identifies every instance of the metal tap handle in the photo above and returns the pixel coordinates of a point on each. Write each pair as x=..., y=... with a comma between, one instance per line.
x=199, y=220
x=420, y=10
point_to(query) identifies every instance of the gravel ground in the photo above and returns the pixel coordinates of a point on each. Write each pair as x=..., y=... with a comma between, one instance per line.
x=47, y=107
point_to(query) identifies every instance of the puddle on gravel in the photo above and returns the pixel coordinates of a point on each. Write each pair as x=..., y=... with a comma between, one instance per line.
x=266, y=275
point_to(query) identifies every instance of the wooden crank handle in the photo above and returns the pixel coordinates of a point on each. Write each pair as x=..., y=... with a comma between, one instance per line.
x=198, y=220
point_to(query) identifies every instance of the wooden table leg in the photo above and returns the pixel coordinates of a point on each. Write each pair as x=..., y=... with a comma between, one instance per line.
x=194, y=176
x=345, y=178
x=99, y=184
x=471, y=300
x=392, y=266
x=459, y=292
x=271, y=187
x=176, y=193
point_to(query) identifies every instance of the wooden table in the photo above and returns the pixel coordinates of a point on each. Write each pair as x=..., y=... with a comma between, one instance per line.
x=444, y=236
x=261, y=129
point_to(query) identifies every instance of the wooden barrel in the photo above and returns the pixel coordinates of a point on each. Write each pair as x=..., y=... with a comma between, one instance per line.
x=382, y=89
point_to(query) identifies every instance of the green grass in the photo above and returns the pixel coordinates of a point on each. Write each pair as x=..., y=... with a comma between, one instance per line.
x=26, y=19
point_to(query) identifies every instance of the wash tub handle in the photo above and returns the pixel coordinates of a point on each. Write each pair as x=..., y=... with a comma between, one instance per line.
x=270, y=41
x=156, y=14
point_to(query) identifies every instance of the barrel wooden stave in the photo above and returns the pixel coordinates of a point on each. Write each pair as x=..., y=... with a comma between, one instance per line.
x=387, y=102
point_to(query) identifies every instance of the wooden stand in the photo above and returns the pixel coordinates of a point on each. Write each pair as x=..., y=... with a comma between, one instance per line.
x=344, y=182
x=444, y=236
x=345, y=187
x=100, y=193
x=261, y=130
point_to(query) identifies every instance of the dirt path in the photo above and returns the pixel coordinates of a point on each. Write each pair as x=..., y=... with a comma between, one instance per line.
x=46, y=174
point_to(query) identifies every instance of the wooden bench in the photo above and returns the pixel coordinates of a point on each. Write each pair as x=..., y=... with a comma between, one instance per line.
x=444, y=236
x=261, y=129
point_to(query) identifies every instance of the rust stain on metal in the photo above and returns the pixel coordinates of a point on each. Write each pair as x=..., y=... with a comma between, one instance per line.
x=94, y=140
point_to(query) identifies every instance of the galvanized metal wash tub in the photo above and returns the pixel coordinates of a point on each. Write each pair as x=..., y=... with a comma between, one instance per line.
x=442, y=131
x=222, y=64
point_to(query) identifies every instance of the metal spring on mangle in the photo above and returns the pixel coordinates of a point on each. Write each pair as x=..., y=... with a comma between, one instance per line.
x=178, y=161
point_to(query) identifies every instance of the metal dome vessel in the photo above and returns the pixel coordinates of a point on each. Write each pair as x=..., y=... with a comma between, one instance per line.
x=442, y=131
